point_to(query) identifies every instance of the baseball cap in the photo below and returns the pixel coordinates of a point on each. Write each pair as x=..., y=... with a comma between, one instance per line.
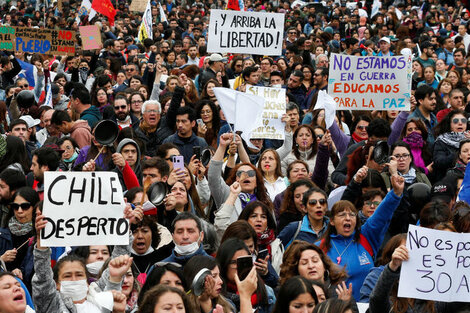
x=55, y=91
x=215, y=57
x=132, y=47
x=444, y=190
x=30, y=120
x=386, y=39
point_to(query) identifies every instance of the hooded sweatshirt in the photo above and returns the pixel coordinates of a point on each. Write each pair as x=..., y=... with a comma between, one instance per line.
x=92, y=115
x=137, y=167
x=81, y=133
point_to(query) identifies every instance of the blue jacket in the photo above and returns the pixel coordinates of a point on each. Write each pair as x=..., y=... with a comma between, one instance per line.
x=186, y=148
x=306, y=232
x=369, y=283
x=354, y=255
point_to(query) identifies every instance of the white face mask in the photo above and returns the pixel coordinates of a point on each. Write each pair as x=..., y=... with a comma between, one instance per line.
x=94, y=268
x=75, y=289
x=187, y=249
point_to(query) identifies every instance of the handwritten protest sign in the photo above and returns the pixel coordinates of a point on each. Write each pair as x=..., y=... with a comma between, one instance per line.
x=91, y=37
x=138, y=5
x=438, y=268
x=35, y=40
x=370, y=83
x=274, y=107
x=245, y=32
x=82, y=209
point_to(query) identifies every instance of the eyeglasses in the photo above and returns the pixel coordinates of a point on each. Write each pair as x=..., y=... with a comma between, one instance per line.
x=370, y=203
x=250, y=173
x=17, y=206
x=319, y=136
x=403, y=156
x=24, y=86
x=292, y=33
x=130, y=69
x=151, y=111
x=314, y=201
x=361, y=127
x=117, y=107
x=137, y=102
x=344, y=214
x=457, y=120
x=316, y=74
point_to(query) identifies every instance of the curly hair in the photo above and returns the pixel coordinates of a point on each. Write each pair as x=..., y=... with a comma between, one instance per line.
x=291, y=257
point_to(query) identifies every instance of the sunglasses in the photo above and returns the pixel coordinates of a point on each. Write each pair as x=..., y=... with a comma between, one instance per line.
x=462, y=120
x=361, y=127
x=314, y=201
x=370, y=203
x=16, y=206
x=319, y=136
x=250, y=173
x=117, y=107
x=24, y=86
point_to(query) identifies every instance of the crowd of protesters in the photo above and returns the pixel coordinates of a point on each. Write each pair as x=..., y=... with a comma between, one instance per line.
x=322, y=214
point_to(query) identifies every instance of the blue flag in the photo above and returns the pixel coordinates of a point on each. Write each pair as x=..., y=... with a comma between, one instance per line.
x=27, y=72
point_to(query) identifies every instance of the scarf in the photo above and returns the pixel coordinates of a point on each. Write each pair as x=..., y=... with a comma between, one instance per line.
x=409, y=177
x=132, y=301
x=19, y=229
x=233, y=288
x=416, y=142
x=147, y=128
x=451, y=139
x=265, y=239
x=357, y=138
x=460, y=166
x=246, y=198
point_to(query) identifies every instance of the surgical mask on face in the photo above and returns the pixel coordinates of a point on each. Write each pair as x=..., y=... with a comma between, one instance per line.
x=72, y=158
x=75, y=289
x=187, y=249
x=94, y=268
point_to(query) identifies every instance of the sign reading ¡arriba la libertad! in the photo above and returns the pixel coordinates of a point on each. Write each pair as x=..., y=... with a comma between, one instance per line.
x=82, y=209
x=245, y=32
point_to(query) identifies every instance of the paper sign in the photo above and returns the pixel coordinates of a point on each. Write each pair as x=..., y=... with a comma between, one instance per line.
x=271, y=126
x=35, y=40
x=438, y=266
x=245, y=32
x=91, y=37
x=83, y=209
x=138, y=5
x=370, y=82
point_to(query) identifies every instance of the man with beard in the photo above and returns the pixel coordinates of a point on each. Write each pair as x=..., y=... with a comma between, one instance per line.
x=122, y=113
x=10, y=181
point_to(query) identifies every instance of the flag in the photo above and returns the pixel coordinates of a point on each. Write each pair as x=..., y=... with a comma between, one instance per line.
x=326, y=102
x=145, y=30
x=162, y=14
x=27, y=71
x=237, y=5
x=48, y=100
x=86, y=9
x=375, y=8
x=235, y=105
x=106, y=8
x=464, y=193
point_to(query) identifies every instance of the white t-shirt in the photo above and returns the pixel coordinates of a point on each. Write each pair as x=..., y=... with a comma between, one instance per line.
x=87, y=307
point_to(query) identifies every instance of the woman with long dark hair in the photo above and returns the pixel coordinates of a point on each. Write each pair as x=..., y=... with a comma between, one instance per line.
x=208, y=112
x=227, y=256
